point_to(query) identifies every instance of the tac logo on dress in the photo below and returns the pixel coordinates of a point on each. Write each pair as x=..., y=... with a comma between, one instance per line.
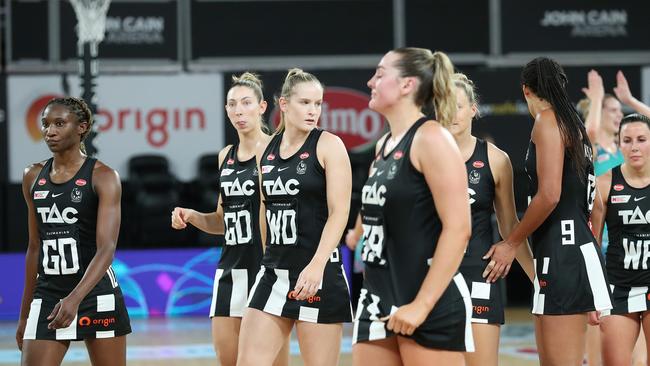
x=618, y=187
x=270, y=157
x=478, y=164
x=41, y=182
x=304, y=155
x=80, y=182
x=398, y=154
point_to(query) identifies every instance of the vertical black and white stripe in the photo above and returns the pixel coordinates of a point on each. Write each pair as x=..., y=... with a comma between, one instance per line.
x=273, y=289
x=98, y=316
x=629, y=300
x=229, y=292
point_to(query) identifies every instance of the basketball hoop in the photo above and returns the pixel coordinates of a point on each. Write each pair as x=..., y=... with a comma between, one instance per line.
x=91, y=19
x=91, y=25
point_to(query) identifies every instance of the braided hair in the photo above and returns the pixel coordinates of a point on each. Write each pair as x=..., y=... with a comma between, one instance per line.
x=546, y=78
x=80, y=109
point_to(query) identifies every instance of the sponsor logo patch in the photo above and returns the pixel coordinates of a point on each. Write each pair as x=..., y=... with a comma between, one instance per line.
x=625, y=198
x=478, y=164
x=41, y=182
x=304, y=155
x=618, y=187
x=267, y=168
x=80, y=182
x=39, y=195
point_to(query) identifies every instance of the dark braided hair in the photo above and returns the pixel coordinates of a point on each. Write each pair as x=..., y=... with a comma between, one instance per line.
x=546, y=78
x=80, y=109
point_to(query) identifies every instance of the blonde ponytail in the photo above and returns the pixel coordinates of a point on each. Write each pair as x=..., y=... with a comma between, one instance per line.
x=444, y=97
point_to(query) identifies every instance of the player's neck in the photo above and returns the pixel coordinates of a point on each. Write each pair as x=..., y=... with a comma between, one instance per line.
x=466, y=143
x=68, y=158
x=401, y=118
x=640, y=176
x=249, y=142
x=294, y=137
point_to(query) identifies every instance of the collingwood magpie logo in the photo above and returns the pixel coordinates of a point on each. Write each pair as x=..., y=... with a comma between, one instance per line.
x=392, y=171
x=76, y=195
x=301, y=168
x=474, y=177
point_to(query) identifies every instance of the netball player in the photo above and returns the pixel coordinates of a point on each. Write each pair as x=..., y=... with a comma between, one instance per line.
x=414, y=309
x=237, y=216
x=71, y=292
x=490, y=190
x=306, y=184
x=603, y=113
x=624, y=190
x=570, y=278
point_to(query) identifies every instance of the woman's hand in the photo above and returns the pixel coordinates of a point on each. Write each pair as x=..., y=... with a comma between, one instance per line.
x=309, y=281
x=407, y=318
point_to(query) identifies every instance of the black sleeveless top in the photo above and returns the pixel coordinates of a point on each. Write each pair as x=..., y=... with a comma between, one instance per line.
x=628, y=223
x=66, y=215
x=568, y=223
x=481, y=199
x=400, y=222
x=240, y=199
x=295, y=197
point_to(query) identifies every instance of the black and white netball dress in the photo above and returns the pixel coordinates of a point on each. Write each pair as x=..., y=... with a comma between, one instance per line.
x=66, y=214
x=242, y=252
x=487, y=299
x=629, y=245
x=295, y=198
x=569, y=269
x=401, y=230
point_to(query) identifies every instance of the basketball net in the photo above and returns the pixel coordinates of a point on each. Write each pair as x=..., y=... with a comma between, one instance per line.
x=91, y=19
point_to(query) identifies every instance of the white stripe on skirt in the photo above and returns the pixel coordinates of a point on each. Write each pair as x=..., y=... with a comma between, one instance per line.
x=32, y=319
x=215, y=289
x=464, y=292
x=596, y=277
x=239, y=293
x=279, y=291
x=636, y=299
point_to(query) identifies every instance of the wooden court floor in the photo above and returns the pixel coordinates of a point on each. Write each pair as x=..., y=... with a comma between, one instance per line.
x=186, y=342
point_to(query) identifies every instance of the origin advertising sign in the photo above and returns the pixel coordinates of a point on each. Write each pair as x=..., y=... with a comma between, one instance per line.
x=177, y=116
